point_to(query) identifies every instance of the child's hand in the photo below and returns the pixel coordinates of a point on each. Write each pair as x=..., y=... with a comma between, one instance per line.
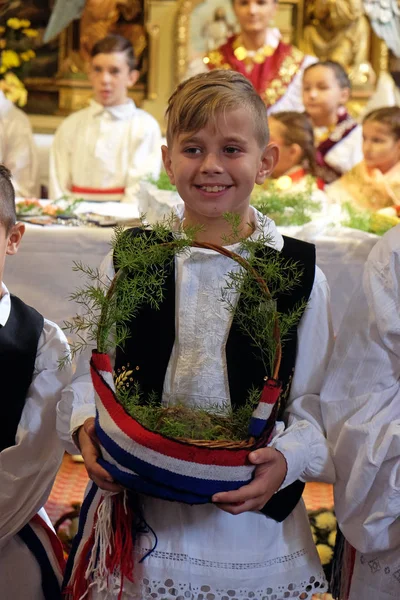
x=268, y=477
x=90, y=451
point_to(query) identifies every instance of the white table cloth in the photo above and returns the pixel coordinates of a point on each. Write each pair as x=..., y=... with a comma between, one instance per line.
x=41, y=273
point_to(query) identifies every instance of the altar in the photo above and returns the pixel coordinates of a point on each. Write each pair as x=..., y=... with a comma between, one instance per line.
x=42, y=272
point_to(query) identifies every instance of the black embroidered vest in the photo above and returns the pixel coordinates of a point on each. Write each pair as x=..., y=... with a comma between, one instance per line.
x=152, y=336
x=18, y=347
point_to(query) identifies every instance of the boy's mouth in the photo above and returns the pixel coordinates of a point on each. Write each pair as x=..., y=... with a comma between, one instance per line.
x=213, y=188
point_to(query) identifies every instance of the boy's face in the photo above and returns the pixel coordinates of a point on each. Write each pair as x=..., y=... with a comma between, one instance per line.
x=215, y=169
x=110, y=77
x=254, y=16
x=380, y=147
x=322, y=94
x=9, y=243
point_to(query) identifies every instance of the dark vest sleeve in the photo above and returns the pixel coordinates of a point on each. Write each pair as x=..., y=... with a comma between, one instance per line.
x=18, y=348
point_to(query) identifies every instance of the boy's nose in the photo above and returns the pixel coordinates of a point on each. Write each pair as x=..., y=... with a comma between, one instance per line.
x=211, y=164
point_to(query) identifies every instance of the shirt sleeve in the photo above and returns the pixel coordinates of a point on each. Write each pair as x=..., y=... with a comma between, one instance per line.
x=28, y=469
x=60, y=162
x=146, y=158
x=20, y=154
x=302, y=439
x=77, y=399
x=361, y=406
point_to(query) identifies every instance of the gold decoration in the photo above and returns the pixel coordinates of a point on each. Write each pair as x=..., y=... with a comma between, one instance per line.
x=287, y=71
x=123, y=378
x=251, y=56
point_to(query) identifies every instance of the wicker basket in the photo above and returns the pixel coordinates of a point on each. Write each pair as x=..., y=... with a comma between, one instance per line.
x=184, y=470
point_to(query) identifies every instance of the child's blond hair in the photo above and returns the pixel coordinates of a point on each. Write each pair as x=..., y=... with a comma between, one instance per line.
x=388, y=115
x=198, y=101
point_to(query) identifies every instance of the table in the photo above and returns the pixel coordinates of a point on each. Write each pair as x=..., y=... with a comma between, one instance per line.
x=41, y=273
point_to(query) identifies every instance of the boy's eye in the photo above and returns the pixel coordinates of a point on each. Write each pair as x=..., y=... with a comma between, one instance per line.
x=231, y=150
x=192, y=150
x=114, y=71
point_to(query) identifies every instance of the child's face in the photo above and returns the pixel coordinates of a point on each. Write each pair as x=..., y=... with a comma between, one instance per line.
x=381, y=149
x=254, y=15
x=215, y=169
x=289, y=154
x=9, y=243
x=322, y=94
x=110, y=78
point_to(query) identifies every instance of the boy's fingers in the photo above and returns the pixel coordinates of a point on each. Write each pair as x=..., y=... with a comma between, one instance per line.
x=247, y=492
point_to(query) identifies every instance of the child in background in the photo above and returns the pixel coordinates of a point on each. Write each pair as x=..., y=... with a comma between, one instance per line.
x=17, y=149
x=101, y=152
x=374, y=184
x=338, y=138
x=31, y=556
x=361, y=410
x=217, y=138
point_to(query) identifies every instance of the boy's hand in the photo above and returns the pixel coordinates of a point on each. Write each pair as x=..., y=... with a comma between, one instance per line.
x=90, y=451
x=268, y=477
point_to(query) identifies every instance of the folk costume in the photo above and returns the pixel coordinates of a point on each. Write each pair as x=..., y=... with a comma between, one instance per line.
x=368, y=189
x=199, y=356
x=101, y=153
x=339, y=148
x=275, y=70
x=17, y=149
x=361, y=411
x=31, y=557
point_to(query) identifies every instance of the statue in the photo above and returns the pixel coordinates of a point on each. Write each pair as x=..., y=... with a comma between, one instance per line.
x=338, y=31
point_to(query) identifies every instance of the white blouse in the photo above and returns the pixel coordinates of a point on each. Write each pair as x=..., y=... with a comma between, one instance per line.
x=100, y=147
x=17, y=149
x=28, y=469
x=361, y=410
x=201, y=548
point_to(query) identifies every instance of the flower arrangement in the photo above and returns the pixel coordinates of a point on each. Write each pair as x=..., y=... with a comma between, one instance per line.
x=366, y=220
x=16, y=38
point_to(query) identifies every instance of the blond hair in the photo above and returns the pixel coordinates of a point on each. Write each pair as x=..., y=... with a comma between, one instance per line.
x=389, y=116
x=198, y=101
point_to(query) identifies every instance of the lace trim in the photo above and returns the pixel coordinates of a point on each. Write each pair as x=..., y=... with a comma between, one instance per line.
x=171, y=590
x=234, y=566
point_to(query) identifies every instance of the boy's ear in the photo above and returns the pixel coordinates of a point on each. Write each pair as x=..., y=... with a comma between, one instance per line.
x=133, y=77
x=344, y=96
x=167, y=163
x=269, y=159
x=14, y=238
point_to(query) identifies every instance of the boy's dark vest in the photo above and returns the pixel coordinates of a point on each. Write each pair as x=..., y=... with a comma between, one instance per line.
x=18, y=348
x=152, y=336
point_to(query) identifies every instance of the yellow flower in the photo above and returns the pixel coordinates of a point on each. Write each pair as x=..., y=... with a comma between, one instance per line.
x=2, y=29
x=332, y=538
x=10, y=59
x=2, y=44
x=325, y=553
x=326, y=521
x=27, y=55
x=14, y=89
x=15, y=23
x=30, y=33
x=25, y=23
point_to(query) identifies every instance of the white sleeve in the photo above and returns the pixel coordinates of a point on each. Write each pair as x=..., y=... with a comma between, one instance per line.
x=361, y=405
x=28, y=469
x=20, y=154
x=60, y=161
x=347, y=153
x=77, y=400
x=303, y=442
x=146, y=159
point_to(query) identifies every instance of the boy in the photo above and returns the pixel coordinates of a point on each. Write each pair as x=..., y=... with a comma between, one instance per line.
x=361, y=410
x=217, y=150
x=101, y=152
x=17, y=149
x=30, y=452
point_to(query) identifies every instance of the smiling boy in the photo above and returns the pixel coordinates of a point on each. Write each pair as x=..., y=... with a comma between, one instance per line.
x=254, y=542
x=101, y=152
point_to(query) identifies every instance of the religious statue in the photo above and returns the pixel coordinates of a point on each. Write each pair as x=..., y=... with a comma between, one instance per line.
x=337, y=30
x=218, y=30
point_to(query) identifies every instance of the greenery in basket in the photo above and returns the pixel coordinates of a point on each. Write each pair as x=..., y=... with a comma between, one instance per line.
x=163, y=182
x=107, y=303
x=284, y=207
x=365, y=220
